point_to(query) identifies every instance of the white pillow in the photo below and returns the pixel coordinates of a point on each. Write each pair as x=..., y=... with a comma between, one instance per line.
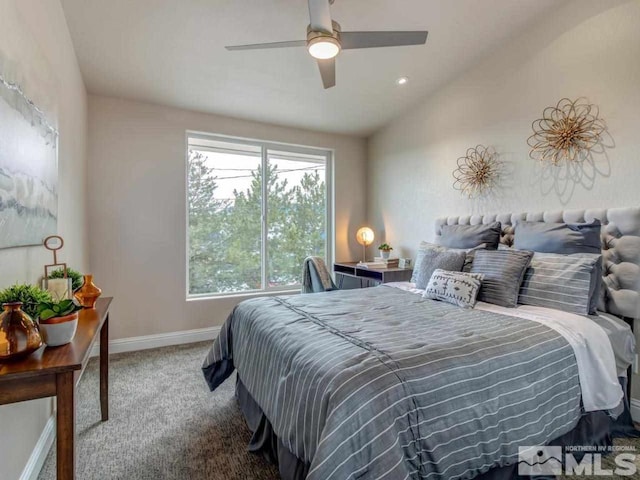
x=458, y=288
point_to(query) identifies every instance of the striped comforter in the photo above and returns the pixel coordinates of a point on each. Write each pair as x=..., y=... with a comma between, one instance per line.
x=380, y=383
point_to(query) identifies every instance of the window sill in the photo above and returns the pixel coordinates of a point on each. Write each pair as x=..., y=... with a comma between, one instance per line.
x=243, y=295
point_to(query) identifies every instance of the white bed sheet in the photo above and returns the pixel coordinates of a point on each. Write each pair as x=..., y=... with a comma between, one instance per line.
x=622, y=339
x=597, y=363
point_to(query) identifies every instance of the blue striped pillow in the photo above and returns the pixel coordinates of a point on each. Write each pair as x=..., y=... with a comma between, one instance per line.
x=562, y=282
x=503, y=272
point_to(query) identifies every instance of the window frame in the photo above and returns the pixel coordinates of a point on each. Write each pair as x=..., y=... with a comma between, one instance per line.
x=265, y=146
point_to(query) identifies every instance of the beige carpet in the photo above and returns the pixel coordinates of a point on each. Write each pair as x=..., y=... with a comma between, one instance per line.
x=166, y=425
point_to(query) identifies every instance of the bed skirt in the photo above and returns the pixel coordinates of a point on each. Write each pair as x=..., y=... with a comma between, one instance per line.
x=594, y=428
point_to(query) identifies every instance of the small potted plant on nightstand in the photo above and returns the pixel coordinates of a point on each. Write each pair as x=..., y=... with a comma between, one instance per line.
x=58, y=321
x=74, y=275
x=385, y=250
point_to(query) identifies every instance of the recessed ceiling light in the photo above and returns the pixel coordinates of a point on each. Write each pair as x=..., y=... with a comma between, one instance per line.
x=402, y=80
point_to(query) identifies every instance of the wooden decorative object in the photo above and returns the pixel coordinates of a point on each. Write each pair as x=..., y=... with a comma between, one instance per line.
x=49, y=244
x=478, y=172
x=60, y=288
x=569, y=131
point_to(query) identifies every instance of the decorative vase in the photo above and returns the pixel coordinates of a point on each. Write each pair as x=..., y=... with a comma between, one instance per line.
x=88, y=293
x=58, y=331
x=385, y=254
x=19, y=334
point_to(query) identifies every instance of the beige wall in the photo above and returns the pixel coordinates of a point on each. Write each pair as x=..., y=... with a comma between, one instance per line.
x=137, y=205
x=590, y=48
x=33, y=33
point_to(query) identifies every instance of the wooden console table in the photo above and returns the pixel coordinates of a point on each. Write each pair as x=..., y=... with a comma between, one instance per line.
x=50, y=372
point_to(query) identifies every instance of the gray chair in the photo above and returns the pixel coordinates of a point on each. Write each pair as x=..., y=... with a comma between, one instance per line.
x=316, y=276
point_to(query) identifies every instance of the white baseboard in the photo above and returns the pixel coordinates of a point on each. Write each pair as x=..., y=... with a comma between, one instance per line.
x=635, y=409
x=145, y=342
x=40, y=451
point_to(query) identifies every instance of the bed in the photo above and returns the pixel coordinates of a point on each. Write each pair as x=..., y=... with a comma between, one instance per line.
x=383, y=383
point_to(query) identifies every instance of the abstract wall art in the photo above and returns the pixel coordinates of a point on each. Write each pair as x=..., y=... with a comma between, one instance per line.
x=569, y=131
x=478, y=172
x=28, y=165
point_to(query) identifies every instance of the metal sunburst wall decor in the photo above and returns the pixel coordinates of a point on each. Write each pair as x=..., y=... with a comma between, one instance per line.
x=569, y=131
x=478, y=172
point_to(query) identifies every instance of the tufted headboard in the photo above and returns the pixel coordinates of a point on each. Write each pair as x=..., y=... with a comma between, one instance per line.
x=620, y=248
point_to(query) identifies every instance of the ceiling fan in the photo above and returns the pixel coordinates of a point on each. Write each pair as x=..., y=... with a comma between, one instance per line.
x=325, y=40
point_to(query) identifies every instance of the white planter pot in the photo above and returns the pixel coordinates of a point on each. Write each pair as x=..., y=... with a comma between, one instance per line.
x=59, y=330
x=385, y=253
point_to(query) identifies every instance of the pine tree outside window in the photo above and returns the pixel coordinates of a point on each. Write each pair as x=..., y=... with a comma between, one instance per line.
x=255, y=210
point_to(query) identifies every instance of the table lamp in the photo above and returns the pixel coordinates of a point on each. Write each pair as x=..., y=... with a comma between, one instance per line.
x=365, y=238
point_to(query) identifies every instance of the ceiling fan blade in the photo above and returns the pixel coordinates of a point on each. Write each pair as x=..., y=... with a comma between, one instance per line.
x=258, y=46
x=320, y=15
x=351, y=40
x=328, y=72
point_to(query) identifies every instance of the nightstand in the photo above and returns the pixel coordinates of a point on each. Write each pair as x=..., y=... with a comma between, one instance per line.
x=376, y=275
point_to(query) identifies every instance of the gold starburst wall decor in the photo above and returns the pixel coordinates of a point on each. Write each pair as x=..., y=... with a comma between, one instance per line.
x=569, y=131
x=478, y=172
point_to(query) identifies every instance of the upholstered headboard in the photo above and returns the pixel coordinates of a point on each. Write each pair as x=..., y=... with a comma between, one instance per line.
x=620, y=248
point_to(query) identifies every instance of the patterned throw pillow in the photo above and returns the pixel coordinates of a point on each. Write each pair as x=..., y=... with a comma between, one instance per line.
x=563, y=282
x=503, y=273
x=458, y=288
x=444, y=259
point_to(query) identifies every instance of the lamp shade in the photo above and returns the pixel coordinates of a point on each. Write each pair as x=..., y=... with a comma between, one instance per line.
x=365, y=236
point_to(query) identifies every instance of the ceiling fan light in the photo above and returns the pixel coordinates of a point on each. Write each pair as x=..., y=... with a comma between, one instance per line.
x=323, y=48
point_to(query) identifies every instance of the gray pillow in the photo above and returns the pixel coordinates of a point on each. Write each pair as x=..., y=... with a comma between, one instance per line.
x=422, y=250
x=471, y=253
x=426, y=247
x=470, y=236
x=433, y=259
x=564, y=282
x=457, y=288
x=503, y=272
x=558, y=237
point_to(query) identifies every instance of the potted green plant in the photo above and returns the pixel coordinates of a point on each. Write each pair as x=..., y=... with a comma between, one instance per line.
x=29, y=295
x=385, y=250
x=58, y=321
x=74, y=275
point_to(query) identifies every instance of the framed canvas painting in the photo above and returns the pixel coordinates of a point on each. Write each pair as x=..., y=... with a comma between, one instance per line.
x=28, y=165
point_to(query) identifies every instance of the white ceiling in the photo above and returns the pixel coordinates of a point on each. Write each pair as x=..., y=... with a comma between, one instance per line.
x=171, y=52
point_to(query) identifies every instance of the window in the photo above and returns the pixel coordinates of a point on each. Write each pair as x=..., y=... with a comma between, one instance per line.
x=255, y=211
